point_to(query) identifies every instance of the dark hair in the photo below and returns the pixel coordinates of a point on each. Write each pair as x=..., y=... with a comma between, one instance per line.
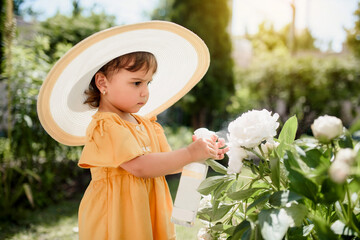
x=132, y=62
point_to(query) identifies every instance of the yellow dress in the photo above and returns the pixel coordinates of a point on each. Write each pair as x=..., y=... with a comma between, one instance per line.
x=117, y=205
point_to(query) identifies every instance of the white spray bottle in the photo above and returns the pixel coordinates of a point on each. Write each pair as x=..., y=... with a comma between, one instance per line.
x=187, y=198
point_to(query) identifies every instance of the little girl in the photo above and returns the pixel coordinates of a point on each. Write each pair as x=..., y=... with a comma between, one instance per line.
x=128, y=156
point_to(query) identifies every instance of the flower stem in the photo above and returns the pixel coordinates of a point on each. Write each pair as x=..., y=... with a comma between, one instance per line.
x=343, y=210
x=254, y=152
x=350, y=210
x=272, y=185
x=349, y=203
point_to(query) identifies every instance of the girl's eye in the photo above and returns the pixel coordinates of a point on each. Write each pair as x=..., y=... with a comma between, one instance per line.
x=137, y=83
x=148, y=83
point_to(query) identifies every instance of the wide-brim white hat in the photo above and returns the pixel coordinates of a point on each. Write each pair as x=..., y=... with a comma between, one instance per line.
x=182, y=57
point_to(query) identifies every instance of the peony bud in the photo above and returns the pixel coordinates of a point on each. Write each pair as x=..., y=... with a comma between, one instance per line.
x=339, y=171
x=266, y=148
x=326, y=128
x=346, y=155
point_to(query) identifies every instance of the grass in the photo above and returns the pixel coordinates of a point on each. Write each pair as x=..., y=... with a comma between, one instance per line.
x=54, y=222
x=58, y=222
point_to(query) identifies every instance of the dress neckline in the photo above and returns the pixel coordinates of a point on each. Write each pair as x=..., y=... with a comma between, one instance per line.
x=139, y=122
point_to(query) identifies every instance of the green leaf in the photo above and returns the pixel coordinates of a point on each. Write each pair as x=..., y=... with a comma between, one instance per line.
x=221, y=212
x=354, y=184
x=235, y=186
x=340, y=228
x=307, y=230
x=247, y=234
x=312, y=157
x=323, y=230
x=243, y=194
x=223, y=187
x=290, y=161
x=299, y=233
x=218, y=227
x=33, y=174
x=260, y=200
x=205, y=213
x=29, y=194
x=239, y=230
x=297, y=212
x=209, y=184
x=288, y=131
x=217, y=167
x=287, y=135
x=331, y=192
x=274, y=223
x=275, y=171
x=345, y=141
x=295, y=233
x=299, y=183
x=281, y=198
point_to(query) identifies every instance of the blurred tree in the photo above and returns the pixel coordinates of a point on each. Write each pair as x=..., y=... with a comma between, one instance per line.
x=206, y=103
x=267, y=39
x=76, y=8
x=17, y=4
x=353, y=35
x=305, y=41
x=69, y=30
x=9, y=31
x=162, y=12
x=2, y=34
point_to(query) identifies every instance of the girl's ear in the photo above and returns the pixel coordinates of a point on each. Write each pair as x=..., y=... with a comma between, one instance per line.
x=101, y=81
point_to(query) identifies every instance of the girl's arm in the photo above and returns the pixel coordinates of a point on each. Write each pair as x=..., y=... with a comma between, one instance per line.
x=159, y=164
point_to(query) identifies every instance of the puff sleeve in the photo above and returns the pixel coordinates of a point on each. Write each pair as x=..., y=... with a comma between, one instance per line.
x=164, y=145
x=108, y=145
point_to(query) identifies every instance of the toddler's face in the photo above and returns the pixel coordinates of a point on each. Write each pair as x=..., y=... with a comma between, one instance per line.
x=128, y=91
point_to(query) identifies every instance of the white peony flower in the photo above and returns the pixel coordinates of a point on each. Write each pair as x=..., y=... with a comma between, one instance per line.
x=339, y=171
x=346, y=155
x=203, y=234
x=253, y=127
x=203, y=133
x=236, y=155
x=326, y=128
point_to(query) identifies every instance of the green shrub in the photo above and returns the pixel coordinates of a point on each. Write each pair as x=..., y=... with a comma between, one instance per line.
x=306, y=86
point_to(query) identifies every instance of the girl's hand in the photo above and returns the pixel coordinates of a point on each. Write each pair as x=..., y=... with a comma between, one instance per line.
x=221, y=149
x=203, y=149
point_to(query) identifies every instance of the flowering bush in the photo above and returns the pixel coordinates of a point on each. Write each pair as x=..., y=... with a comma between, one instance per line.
x=284, y=188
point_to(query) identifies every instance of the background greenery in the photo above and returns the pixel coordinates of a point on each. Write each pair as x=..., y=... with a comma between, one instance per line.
x=287, y=78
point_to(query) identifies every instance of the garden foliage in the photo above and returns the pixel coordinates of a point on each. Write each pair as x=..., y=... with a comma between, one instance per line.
x=291, y=191
x=303, y=86
x=35, y=170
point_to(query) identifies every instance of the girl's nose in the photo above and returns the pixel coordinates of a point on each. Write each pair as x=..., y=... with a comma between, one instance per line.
x=144, y=92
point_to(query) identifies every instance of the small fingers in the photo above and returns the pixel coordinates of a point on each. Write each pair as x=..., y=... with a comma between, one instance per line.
x=221, y=142
x=220, y=156
x=214, y=137
x=224, y=150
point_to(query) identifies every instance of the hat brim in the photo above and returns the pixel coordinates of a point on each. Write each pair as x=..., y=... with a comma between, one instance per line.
x=182, y=57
